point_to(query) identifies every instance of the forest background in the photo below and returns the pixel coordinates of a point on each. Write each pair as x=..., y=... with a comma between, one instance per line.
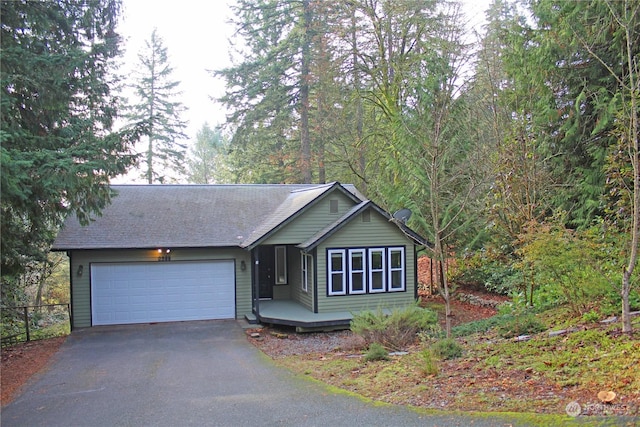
x=517, y=153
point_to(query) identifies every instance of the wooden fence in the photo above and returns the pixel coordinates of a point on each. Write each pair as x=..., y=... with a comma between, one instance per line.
x=27, y=326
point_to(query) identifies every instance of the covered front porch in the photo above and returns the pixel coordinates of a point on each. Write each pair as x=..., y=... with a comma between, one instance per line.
x=291, y=313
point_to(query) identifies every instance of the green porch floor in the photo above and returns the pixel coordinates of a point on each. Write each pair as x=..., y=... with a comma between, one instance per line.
x=290, y=313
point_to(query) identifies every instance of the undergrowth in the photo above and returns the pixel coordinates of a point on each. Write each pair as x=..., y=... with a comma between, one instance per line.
x=447, y=348
x=483, y=371
x=396, y=330
x=592, y=357
x=506, y=325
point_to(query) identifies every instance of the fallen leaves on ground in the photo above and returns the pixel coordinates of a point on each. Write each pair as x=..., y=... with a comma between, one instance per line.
x=20, y=362
x=466, y=384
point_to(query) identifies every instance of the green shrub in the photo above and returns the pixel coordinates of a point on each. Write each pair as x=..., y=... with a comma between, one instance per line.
x=396, y=330
x=523, y=324
x=488, y=269
x=481, y=326
x=429, y=363
x=376, y=352
x=447, y=348
x=569, y=267
x=591, y=316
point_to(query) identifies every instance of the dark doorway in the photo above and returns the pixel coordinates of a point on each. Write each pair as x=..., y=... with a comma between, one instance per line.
x=266, y=274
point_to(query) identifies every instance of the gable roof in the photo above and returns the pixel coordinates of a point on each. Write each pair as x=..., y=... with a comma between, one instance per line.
x=329, y=230
x=150, y=216
x=295, y=203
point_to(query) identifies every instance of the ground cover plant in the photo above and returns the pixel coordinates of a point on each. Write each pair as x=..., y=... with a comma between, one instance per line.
x=484, y=371
x=395, y=330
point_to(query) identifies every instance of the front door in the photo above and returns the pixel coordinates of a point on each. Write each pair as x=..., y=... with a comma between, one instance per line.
x=266, y=272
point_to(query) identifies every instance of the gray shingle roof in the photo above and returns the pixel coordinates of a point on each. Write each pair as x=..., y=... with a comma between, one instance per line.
x=296, y=201
x=149, y=216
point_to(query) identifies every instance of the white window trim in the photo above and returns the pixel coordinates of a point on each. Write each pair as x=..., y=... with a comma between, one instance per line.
x=380, y=270
x=331, y=272
x=363, y=271
x=307, y=262
x=391, y=269
x=281, y=252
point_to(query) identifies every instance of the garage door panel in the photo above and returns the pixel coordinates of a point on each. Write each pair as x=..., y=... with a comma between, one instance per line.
x=162, y=292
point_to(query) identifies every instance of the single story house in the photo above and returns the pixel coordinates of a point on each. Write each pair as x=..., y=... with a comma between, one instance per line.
x=307, y=256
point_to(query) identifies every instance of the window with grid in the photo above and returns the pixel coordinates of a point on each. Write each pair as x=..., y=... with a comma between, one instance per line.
x=337, y=277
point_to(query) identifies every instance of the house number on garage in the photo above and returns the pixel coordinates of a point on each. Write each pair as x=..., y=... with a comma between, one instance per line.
x=164, y=255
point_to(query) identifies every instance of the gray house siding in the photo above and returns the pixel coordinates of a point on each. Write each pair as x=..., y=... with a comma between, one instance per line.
x=81, y=286
x=359, y=234
x=311, y=221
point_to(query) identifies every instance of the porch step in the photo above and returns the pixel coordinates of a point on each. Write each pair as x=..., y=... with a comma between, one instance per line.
x=251, y=318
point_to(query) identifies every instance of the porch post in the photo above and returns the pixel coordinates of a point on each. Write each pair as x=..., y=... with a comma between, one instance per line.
x=256, y=282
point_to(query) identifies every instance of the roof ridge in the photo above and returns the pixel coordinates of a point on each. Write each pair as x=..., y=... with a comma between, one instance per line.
x=212, y=185
x=313, y=187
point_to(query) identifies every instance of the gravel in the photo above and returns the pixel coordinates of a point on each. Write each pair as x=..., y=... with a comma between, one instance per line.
x=277, y=342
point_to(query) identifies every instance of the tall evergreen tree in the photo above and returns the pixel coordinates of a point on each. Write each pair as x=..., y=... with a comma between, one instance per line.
x=58, y=152
x=506, y=100
x=580, y=109
x=398, y=63
x=269, y=90
x=205, y=160
x=157, y=106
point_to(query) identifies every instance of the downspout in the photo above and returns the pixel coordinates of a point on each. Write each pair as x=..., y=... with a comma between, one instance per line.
x=415, y=272
x=72, y=327
x=315, y=280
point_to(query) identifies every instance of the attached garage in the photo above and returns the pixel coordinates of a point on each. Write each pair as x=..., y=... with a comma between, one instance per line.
x=165, y=253
x=144, y=292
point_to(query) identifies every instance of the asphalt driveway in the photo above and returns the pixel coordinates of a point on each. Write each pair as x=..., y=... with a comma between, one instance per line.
x=190, y=374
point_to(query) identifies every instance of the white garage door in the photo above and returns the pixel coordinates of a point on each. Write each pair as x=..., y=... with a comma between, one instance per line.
x=162, y=292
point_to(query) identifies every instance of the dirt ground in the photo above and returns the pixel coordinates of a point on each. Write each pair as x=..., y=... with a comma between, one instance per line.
x=456, y=378
x=20, y=362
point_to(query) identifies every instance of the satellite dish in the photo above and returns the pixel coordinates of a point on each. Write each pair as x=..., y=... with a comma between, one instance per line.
x=402, y=215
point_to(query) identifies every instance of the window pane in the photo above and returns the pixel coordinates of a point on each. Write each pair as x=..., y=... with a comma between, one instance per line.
x=336, y=282
x=396, y=269
x=396, y=279
x=376, y=281
x=396, y=259
x=357, y=282
x=306, y=276
x=357, y=261
x=281, y=265
x=336, y=272
x=376, y=260
x=336, y=262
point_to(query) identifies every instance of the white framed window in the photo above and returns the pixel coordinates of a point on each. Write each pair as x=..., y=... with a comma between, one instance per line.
x=281, y=265
x=395, y=264
x=337, y=275
x=377, y=276
x=357, y=271
x=307, y=271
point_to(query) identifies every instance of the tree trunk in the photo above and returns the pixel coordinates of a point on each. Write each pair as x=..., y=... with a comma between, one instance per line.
x=151, y=119
x=359, y=111
x=447, y=297
x=634, y=153
x=305, y=144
